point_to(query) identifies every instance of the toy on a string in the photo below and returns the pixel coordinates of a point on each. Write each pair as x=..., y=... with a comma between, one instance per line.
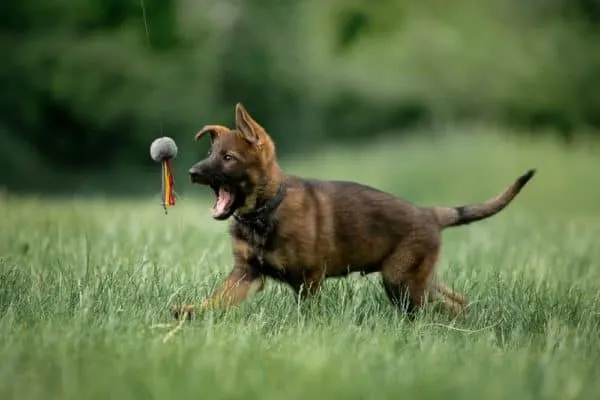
x=163, y=150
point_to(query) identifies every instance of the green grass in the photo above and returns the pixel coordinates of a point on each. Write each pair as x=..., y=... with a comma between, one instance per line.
x=82, y=281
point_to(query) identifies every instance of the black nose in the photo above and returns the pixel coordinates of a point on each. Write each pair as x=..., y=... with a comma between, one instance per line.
x=194, y=175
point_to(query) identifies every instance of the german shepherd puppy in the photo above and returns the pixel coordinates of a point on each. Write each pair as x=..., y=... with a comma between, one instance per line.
x=302, y=231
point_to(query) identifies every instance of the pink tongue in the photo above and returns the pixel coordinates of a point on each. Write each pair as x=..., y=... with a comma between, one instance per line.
x=224, y=201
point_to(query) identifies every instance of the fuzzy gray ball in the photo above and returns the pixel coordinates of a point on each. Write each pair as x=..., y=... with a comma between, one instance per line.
x=163, y=148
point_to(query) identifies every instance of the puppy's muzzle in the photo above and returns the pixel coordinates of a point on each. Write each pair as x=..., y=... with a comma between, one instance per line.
x=199, y=175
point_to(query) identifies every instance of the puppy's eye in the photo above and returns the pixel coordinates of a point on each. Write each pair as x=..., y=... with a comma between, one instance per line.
x=228, y=157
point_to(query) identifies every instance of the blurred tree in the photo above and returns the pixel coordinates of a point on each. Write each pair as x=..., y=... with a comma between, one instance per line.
x=78, y=77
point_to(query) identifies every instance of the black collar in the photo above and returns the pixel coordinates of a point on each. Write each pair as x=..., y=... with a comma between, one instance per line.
x=260, y=217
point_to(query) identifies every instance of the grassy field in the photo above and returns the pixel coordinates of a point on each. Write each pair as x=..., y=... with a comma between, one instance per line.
x=83, y=280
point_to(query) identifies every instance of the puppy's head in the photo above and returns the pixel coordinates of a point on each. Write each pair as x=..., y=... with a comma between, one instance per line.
x=240, y=164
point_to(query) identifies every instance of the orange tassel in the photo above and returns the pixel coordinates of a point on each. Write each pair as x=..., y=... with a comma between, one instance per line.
x=168, y=195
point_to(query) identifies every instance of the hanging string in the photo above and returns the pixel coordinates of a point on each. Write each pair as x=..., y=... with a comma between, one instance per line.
x=168, y=193
x=147, y=30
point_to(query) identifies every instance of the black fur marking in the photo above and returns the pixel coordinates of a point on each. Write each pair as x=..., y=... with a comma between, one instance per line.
x=525, y=178
x=260, y=218
x=462, y=212
x=259, y=227
x=269, y=270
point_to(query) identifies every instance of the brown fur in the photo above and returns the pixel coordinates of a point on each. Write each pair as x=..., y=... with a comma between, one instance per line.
x=325, y=229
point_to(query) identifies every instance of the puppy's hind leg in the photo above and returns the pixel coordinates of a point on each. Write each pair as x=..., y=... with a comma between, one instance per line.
x=451, y=300
x=405, y=276
x=409, y=281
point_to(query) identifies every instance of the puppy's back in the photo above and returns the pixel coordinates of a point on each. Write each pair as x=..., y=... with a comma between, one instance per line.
x=351, y=225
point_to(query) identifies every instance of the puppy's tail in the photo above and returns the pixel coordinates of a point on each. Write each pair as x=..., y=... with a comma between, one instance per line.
x=455, y=216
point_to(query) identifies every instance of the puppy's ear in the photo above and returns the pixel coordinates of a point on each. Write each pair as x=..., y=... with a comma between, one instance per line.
x=214, y=130
x=251, y=130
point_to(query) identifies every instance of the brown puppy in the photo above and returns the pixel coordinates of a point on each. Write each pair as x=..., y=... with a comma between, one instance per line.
x=302, y=231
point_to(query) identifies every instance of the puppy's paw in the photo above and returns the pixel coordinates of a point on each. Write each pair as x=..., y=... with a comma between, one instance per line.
x=180, y=310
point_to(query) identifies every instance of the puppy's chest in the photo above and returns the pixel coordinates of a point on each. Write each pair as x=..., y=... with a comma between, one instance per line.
x=268, y=249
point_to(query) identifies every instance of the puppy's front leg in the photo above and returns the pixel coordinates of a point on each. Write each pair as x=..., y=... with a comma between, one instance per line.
x=241, y=283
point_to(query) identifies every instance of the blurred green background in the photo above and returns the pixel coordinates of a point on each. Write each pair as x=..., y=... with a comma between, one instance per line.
x=86, y=85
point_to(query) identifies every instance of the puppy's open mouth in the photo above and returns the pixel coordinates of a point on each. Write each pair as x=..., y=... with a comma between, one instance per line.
x=225, y=201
